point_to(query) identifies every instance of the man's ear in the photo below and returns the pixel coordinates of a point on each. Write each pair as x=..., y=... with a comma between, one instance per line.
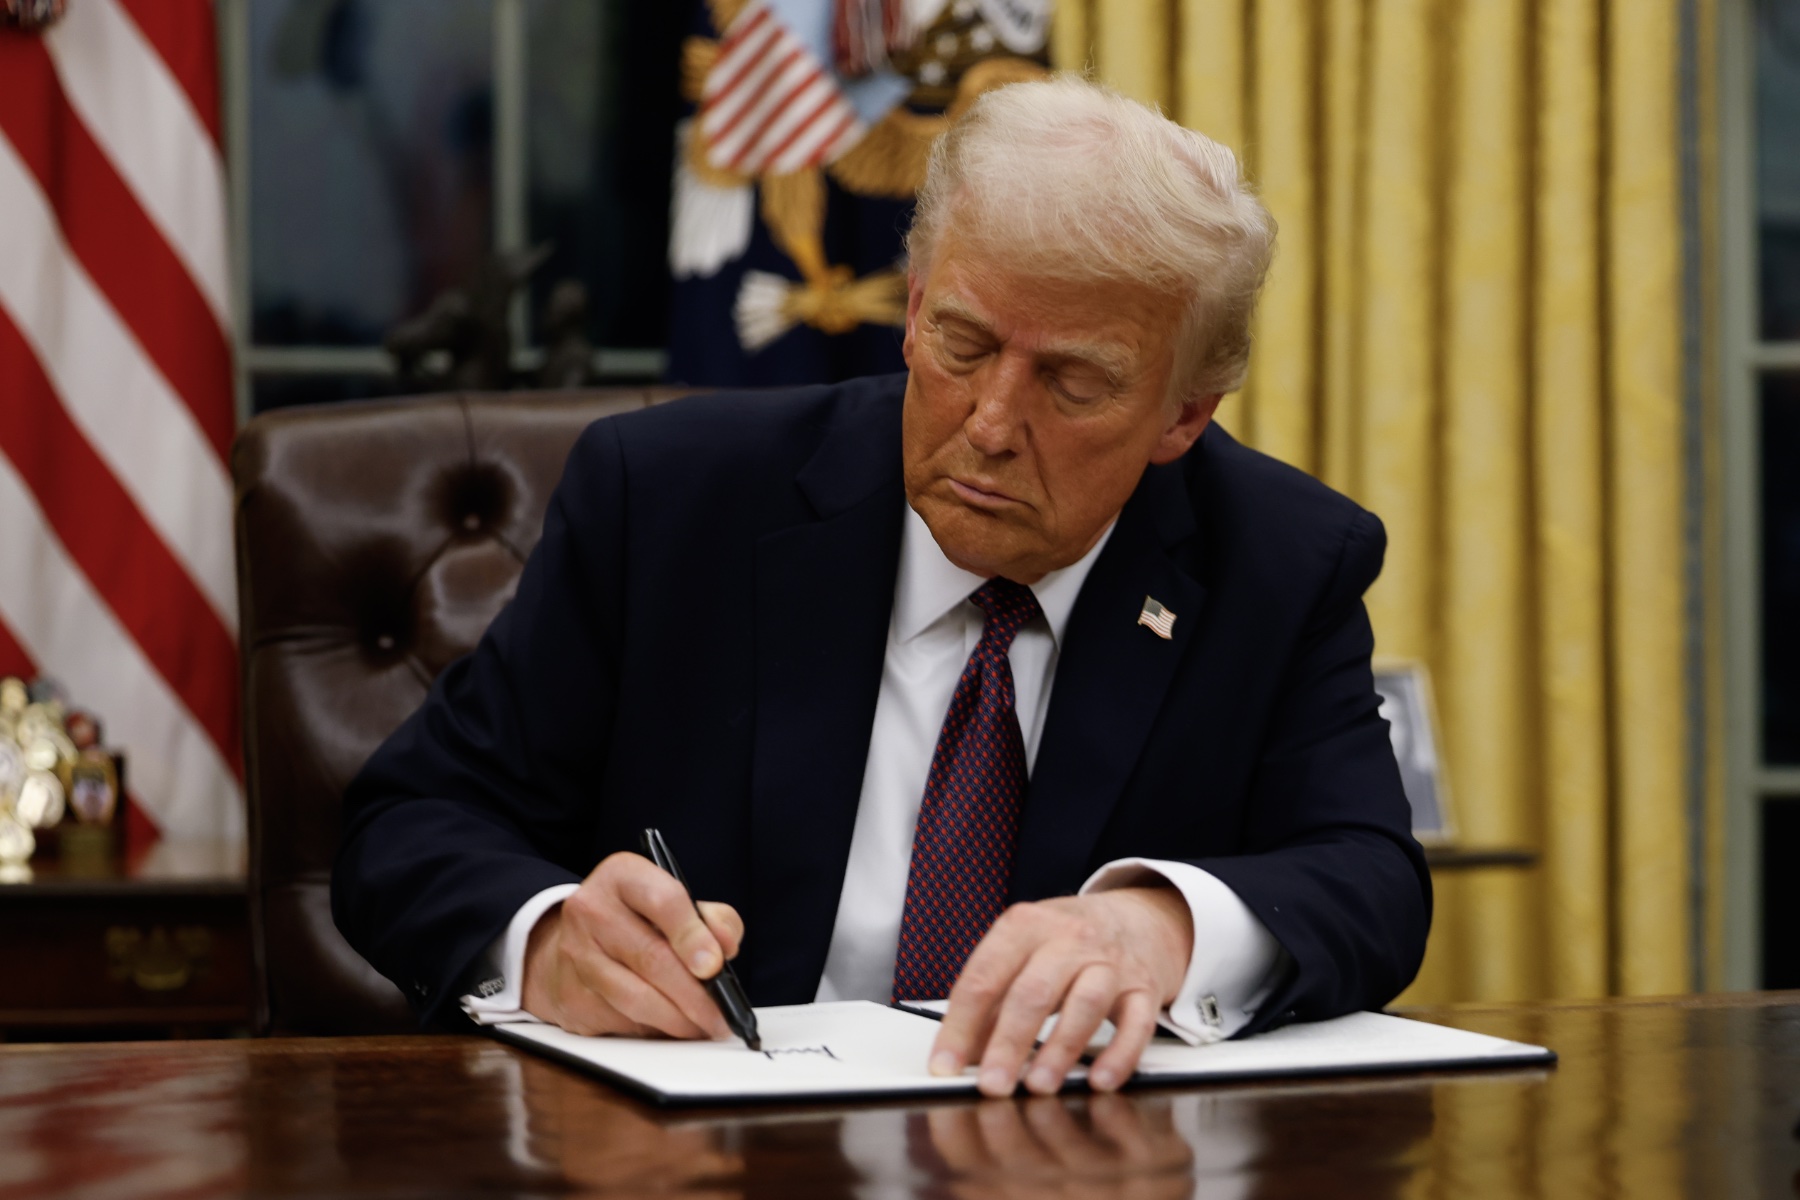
x=915, y=293
x=1186, y=429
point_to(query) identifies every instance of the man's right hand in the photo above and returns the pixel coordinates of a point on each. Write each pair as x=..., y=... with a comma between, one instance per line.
x=626, y=954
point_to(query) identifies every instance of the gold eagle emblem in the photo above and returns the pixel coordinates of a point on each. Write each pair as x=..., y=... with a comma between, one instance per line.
x=888, y=162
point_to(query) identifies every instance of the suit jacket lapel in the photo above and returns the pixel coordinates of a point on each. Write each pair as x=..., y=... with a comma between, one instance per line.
x=1111, y=675
x=824, y=591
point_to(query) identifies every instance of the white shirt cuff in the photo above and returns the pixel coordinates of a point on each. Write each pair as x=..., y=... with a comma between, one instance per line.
x=1236, y=960
x=498, y=996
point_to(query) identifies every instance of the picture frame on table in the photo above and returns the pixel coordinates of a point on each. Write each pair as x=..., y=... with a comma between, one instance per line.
x=1407, y=705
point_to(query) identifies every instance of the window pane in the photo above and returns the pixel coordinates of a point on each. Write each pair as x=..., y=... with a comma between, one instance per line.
x=370, y=138
x=1781, y=568
x=601, y=114
x=1778, y=165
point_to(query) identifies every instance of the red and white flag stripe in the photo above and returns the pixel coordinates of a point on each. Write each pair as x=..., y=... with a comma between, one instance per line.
x=768, y=105
x=116, y=416
x=127, y=94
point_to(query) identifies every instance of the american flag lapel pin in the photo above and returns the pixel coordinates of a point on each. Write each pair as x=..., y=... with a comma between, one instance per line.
x=1160, y=620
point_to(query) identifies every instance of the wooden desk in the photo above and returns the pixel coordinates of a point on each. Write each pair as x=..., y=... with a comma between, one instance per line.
x=157, y=945
x=1694, y=1097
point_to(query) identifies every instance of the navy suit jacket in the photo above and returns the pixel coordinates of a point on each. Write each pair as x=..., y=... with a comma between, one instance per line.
x=697, y=644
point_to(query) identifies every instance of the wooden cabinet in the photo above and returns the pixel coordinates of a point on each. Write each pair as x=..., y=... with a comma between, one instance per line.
x=156, y=947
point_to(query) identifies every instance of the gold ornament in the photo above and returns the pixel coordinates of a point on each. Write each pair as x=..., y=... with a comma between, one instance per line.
x=40, y=802
x=16, y=840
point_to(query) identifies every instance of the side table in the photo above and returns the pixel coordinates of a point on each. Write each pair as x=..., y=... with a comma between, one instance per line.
x=157, y=946
x=1452, y=858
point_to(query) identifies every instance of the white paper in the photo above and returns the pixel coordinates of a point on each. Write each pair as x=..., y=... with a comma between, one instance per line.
x=1096, y=1044
x=1362, y=1041
x=849, y=1047
x=858, y=1048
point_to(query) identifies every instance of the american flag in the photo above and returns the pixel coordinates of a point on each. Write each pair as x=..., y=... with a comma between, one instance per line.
x=116, y=410
x=1160, y=620
x=769, y=105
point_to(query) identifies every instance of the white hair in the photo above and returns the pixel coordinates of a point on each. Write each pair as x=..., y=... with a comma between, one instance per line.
x=1069, y=180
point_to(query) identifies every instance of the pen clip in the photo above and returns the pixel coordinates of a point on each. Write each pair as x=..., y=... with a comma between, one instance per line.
x=657, y=851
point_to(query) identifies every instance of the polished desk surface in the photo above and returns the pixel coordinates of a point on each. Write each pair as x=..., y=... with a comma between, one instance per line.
x=1690, y=1097
x=182, y=866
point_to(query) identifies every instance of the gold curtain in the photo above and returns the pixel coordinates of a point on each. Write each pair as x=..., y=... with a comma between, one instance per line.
x=1473, y=326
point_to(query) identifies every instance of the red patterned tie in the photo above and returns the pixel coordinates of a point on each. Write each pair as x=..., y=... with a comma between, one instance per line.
x=963, y=845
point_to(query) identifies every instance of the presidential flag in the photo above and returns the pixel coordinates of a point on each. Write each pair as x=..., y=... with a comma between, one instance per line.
x=794, y=177
x=769, y=106
x=116, y=411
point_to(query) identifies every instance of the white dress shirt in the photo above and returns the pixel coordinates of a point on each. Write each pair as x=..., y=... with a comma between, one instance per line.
x=931, y=634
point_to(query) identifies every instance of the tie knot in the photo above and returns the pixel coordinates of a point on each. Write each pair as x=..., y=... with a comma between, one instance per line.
x=1007, y=605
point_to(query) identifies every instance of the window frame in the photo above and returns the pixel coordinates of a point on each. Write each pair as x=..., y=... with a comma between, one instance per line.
x=511, y=184
x=1744, y=360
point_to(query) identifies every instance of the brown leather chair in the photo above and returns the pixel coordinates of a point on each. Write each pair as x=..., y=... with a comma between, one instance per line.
x=375, y=542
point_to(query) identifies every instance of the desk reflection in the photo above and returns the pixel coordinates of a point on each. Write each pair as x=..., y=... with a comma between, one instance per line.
x=1146, y=1146
x=1653, y=1100
x=121, y=1126
x=595, y=1138
x=1105, y=1146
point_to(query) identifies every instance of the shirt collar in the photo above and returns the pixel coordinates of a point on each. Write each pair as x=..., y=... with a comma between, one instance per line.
x=930, y=585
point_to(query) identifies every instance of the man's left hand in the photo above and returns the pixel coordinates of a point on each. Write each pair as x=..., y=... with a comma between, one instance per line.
x=1119, y=954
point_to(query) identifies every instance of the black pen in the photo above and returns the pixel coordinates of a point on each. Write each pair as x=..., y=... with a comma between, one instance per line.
x=725, y=989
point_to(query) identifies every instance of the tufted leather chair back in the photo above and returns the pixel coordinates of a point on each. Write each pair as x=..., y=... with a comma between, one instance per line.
x=375, y=542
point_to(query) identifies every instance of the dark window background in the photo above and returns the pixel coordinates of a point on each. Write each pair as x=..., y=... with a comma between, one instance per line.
x=1780, y=449
x=1778, y=287
x=371, y=141
x=602, y=111
x=1778, y=166
x=1780, y=444
x=372, y=151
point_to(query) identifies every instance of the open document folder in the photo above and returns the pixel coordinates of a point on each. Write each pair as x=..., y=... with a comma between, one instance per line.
x=856, y=1048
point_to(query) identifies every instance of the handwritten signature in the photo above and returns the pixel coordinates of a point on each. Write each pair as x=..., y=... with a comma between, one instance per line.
x=825, y=1050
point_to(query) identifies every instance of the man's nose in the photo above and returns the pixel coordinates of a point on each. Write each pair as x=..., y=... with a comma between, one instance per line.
x=995, y=426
